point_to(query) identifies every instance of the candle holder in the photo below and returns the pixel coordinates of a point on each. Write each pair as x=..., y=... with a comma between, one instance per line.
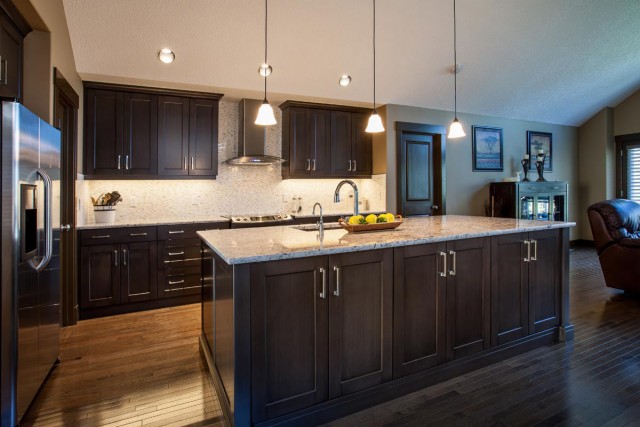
x=540, y=167
x=525, y=167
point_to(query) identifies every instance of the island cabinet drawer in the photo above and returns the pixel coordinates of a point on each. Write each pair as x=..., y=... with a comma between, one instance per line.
x=187, y=231
x=174, y=282
x=104, y=236
x=179, y=253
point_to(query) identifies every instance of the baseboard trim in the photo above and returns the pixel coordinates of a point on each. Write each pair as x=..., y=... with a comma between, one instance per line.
x=110, y=310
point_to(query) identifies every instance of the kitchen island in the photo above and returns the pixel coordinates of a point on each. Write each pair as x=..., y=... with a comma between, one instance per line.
x=301, y=330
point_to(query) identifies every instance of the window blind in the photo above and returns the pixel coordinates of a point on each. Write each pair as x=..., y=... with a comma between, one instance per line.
x=633, y=173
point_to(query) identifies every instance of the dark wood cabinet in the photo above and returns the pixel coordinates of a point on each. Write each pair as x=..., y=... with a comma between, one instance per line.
x=526, y=293
x=13, y=30
x=139, y=271
x=136, y=132
x=100, y=275
x=321, y=140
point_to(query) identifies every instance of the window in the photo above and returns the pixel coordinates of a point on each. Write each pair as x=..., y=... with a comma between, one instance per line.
x=628, y=181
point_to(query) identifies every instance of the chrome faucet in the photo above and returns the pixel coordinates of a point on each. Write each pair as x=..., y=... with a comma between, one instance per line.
x=336, y=195
x=321, y=222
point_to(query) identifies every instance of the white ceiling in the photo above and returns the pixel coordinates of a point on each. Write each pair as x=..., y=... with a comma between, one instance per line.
x=556, y=61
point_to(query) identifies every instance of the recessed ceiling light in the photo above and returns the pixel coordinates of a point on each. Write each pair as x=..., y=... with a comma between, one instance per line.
x=166, y=55
x=345, y=80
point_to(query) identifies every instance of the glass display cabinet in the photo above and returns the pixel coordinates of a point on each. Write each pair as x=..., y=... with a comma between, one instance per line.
x=543, y=201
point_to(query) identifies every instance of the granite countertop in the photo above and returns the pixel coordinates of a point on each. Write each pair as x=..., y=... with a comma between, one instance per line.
x=343, y=214
x=144, y=223
x=241, y=246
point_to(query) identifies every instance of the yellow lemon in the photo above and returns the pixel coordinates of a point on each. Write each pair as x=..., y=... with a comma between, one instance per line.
x=382, y=218
x=390, y=217
x=371, y=219
x=354, y=220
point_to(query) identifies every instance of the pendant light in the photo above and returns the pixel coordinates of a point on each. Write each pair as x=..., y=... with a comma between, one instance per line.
x=375, y=122
x=455, y=130
x=265, y=113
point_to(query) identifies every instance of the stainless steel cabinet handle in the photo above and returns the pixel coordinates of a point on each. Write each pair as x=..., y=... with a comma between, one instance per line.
x=528, y=257
x=355, y=166
x=176, y=231
x=125, y=255
x=535, y=250
x=308, y=164
x=452, y=272
x=323, y=294
x=337, y=291
x=185, y=164
x=176, y=253
x=349, y=166
x=443, y=273
x=65, y=227
x=4, y=72
x=106, y=236
x=193, y=163
x=314, y=164
x=177, y=282
x=137, y=234
x=116, y=256
x=119, y=162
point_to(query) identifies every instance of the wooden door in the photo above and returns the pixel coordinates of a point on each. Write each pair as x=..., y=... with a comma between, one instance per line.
x=139, y=271
x=173, y=136
x=289, y=336
x=104, y=132
x=140, y=134
x=509, y=288
x=361, y=145
x=419, y=301
x=99, y=275
x=360, y=320
x=415, y=174
x=300, y=161
x=341, y=157
x=468, y=279
x=544, y=280
x=319, y=141
x=11, y=46
x=203, y=137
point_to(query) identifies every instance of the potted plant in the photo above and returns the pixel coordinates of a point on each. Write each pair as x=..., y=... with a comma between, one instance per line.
x=104, y=207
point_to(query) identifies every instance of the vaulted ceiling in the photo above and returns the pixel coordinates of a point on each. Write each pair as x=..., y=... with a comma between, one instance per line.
x=556, y=61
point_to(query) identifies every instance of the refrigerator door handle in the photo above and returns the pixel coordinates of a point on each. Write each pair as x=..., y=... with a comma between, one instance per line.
x=48, y=223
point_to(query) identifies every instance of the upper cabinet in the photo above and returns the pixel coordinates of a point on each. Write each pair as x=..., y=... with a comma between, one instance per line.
x=133, y=132
x=13, y=29
x=321, y=140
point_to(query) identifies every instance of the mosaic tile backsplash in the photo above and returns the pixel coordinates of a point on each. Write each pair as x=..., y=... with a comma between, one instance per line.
x=237, y=190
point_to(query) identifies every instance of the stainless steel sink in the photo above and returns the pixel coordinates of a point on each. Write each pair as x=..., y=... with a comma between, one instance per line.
x=314, y=227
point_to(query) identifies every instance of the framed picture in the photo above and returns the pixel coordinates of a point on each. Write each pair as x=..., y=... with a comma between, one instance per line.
x=537, y=141
x=487, y=148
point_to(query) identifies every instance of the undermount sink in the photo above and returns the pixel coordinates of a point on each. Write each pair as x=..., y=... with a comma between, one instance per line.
x=314, y=227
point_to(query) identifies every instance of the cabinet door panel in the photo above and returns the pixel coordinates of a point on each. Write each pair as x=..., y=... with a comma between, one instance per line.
x=173, y=135
x=419, y=309
x=319, y=141
x=361, y=145
x=141, y=134
x=544, y=280
x=509, y=289
x=298, y=140
x=139, y=271
x=289, y=336
x=11, y=44
x=468, y=321
x=341, y=157
x=104, y=132
x=99, y=275
x=360, y=323
x=203, y=137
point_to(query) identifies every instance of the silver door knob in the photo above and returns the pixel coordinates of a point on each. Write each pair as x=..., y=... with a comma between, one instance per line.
x=66, y=227
x=435, y=207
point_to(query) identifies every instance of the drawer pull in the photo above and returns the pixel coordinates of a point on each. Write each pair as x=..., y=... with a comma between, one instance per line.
x=176, y=231
x=176, y=253
x=177, y=282
x=137, y=234
x=106, y=236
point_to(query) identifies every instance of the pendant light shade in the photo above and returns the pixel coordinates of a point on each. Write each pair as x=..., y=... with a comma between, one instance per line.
x=455, y=130
x=375, y=122
x=265, y=113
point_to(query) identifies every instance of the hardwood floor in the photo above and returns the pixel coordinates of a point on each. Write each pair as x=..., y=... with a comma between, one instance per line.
x=594, y=381
x=132, y=369
x=145, y=369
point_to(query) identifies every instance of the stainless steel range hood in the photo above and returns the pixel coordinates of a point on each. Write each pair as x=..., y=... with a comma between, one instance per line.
x=252, y=138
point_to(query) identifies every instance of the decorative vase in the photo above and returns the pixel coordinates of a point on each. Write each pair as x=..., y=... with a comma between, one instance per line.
x=104, y=214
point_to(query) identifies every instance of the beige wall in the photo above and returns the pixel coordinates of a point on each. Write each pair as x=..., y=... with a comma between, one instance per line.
x=467, y=190
x=627, y=116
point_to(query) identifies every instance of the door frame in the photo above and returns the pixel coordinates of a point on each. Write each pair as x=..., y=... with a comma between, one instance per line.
x=64, y=92
x=439, y=135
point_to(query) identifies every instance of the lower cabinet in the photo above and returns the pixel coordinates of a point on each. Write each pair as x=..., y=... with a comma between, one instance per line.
x=332, y=337
x=441, y=303
x=139, y=271
x=525, y=294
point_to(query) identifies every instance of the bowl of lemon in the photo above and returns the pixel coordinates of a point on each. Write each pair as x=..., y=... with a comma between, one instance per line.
x=371, y=222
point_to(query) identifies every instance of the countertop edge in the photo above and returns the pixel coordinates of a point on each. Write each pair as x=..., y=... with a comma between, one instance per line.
x=96, y=226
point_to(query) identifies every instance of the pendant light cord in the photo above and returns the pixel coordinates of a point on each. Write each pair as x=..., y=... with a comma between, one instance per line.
x=374, y=55
x=266, y=10
x=455, y=66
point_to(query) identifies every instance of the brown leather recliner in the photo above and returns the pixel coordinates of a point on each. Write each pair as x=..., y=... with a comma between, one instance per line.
x=616, y=234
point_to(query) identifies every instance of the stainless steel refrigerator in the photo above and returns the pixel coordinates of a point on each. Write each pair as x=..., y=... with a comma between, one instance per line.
x=30, y=305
